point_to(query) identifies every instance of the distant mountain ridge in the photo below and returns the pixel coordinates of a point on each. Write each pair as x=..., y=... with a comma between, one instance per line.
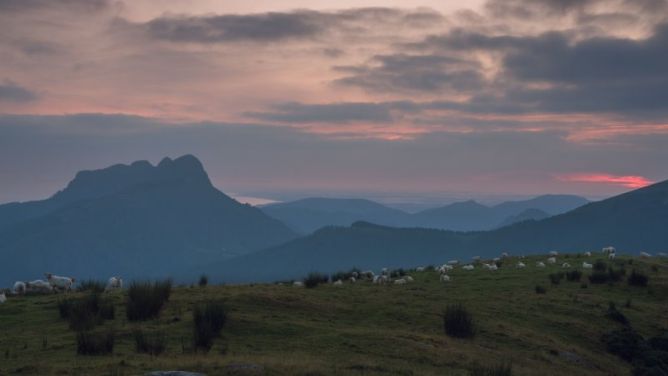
x=136, y=220
x=310, y=214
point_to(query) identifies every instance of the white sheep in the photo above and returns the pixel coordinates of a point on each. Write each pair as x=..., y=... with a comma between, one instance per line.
x=552, y=260
x=565, y=265
x=468, y=267
x=611, y=256
x=662, y=254
x=408, y=278
x=453, y=262
x=505, y=254
x=19, y=288
x=609, y=249
x=400, y=281
x=3, y=298
x=384, y=271
x=298, y=283
x=367, y=274
x=355, y=275
x=554, y=253
x=520, y=265
x=114, y=283
x=338, y=283
x=495, y=259
x=476, y=258
x=587, y=254
x=353, y=280
x=39, y=286
x=645, y=255
x=420, y=269
x=586, y=265
x=540, y=264
x=58, y=282
x=445, y=278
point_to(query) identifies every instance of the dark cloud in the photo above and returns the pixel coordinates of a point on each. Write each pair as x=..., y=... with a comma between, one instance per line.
x=11, y=92
x=276, y=26
x=414, y=72
x=334, y=112
x=28, y=5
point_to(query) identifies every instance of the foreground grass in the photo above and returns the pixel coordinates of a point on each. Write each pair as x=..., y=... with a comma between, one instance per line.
x=361, y=328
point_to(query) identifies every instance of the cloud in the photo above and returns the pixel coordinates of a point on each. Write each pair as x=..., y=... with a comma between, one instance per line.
x=345, y=112
x=11, y=92
x=627, y=181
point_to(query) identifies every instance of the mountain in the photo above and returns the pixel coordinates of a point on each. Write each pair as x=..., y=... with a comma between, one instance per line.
x=133, y=220
x=307, y=215
x=526, y=215
x=632, y=222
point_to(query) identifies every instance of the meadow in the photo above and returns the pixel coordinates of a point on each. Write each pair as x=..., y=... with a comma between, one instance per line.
x=361, y=328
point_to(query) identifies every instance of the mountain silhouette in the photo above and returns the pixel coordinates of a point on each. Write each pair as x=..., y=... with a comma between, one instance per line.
x=134, y=220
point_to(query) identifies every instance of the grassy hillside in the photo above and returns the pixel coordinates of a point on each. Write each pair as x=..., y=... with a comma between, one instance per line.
x=362, y=328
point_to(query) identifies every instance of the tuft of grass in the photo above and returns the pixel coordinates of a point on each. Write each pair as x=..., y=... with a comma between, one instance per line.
x=555, y=278
x=540, y=289
x=574, y=276
x=314, y=279
x=638, y=279
x=86, y=312
x=91, y=285
x=203, y=280
x=153, y=343
x=89, y=343
x=504, y=369
x=146, y=299
x=458, y=322
x=600, y=266
x=208, y=321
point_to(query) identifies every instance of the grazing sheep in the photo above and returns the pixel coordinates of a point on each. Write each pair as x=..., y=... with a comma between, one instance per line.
x=353, y=280
x=19, y=288
x=408, y=278
x=3, y=298
x=587, y=254
x=520, y=265
x=552, y=260
x=609, y=249
x=453, y=262
x=400, y=281
x=338, y=283
x=384, y=271
x=114, y=283
x=445, y=278
x=39, y=286
x=298, y=283
x=611, y=256
x=540, y=264
x=476, y=258
x=490, y=266
x=447, y=267
x=565, y=265
x=355, y=274
x=645, y=255
x=420, y=269
x=496, y=259
x=586, y=265
x=468, y=267
x=554, y=253
x=505, y=254
x=367, y=274
x=60, y=283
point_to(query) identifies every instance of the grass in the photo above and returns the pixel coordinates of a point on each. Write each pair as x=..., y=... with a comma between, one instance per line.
x=358, y=329
x=208, y=320
x=87, y=311
x=150, y=343
x=146, y=299
x=458, y=322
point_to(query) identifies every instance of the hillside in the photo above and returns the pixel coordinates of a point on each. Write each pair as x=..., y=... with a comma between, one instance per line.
x=362, y=329
x=633, y=221
x=308, y=215
x=137, y=220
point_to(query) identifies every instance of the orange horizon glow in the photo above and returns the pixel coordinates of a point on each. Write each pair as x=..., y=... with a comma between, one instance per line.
x=628, y=181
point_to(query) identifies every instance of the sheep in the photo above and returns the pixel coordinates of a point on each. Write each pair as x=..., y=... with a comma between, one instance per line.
x=420, y=269
x=554, y=253
x=587, y=254
x=611, y=256
x=609, y=249
x=662, y=254
x=476, y=258
x=380, y=279
x=645, y=255
x=445, y=278
x=490, y=266
x=355, y=275
x=468, y=267
x=496, y=259
x=39, y=286
x=552, y=260
x=565, y=265
x=400, y=281
x=353, y=280
x=453, y=262
x=367, y=274
x=3, y=298
x=114, y=283
x=408, y=278
x=298, y=283
x=586, y=265
x=58, y=282
x=338, y=283
x=540, y=264
x=520, y=265
x=447, y=267
x=19, y=288
x=504, y=255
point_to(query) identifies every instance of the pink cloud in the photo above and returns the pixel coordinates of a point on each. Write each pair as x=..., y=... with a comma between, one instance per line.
x=628, y=181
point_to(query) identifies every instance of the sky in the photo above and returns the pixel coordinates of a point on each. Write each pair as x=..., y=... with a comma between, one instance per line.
x=394, y=100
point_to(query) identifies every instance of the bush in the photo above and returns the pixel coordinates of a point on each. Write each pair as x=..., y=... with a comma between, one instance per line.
x=458, y=322
x=649, y=358
x=625, y=343
x=600, y=266
x=92, y=286
x=146, y=299
x=555, y=278
x=397, y=273
x=616, y=275
x=95, y=343
x=614, y=314
x=86, y=312
x=574, y=276
x=497, y=370
x=638, y=279
x=314, y=279
x=540, y=289
x=599, y=277
x=203, y=280
x=208, y=320
x=153, y=344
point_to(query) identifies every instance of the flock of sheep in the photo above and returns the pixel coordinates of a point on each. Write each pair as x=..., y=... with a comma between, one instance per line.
x=54, y=284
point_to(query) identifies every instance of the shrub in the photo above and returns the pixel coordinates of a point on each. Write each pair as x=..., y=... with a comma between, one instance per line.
x=208, y=320
x=314, y=279
x=574, y=276
x=496, y=370
x=599, y=277
x=614, y=314
x=146, y=299
x=203, y=280
x=555, y=278
x=153, y=344
x=638, y=279
x=86, y=312
x=95, y=343
x=600, y=266
x=540, y=289
x=616, y=275
x=625, y=343
x=397, y=273
x=92, y=286
x=458, y=322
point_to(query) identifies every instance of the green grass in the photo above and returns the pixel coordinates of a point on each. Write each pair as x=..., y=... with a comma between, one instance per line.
x=360, y=329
